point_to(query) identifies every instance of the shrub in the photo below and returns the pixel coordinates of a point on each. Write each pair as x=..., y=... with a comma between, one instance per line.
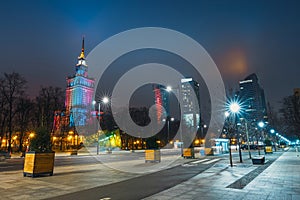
x=41, y=142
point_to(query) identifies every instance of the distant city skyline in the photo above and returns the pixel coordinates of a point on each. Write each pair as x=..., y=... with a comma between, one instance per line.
x=42, y=39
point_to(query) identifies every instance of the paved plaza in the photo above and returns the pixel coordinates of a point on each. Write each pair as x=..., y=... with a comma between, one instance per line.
x=280, y=180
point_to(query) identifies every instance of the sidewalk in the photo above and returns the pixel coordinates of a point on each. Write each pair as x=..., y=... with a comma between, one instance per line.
x=281, y=180
x=66, y=179
x=69, y=179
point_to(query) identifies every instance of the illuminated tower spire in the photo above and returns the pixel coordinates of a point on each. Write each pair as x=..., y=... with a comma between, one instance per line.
x=82, y=50
x=81, y=67
x=79, y=92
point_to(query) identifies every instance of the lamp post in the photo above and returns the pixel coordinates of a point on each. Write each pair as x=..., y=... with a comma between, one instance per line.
x=230, y=154
x=272, y=131
x=170, y=89
x=234, y=108
x=247, y=135
x=104, y=100
x=204, y=126
x=261, y=125
x=168, y=120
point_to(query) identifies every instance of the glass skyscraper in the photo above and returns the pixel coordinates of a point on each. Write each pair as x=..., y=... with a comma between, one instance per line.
x=190, y=103
x=252, y=97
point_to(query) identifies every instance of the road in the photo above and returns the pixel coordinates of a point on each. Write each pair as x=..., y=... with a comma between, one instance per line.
x=17, y=163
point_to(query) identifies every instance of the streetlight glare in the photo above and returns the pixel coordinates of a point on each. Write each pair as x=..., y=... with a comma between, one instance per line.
x=272, y=131
x=234, y=107
x=261, y=124
x=226, y=114
x=105, y=100
x=169, y=88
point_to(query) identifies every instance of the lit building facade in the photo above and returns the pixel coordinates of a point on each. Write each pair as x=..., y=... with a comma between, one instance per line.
x=79, y=93
x=252, y=97
x=190, y=103
x=162, y=99
x=78, y=107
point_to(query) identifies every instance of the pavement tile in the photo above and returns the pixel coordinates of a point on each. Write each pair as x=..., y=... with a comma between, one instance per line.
x=277, y=181
x=281, y=180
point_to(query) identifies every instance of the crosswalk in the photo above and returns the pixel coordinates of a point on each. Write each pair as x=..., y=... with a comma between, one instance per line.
x=200, y=161
x=206, y=161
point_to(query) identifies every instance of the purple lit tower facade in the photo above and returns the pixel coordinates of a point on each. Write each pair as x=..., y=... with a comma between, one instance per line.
x=79, y=93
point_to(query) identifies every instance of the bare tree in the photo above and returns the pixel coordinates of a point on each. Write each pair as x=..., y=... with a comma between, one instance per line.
x=48, y=101
x=3, y=112
x=23, y=118
x=12, y=88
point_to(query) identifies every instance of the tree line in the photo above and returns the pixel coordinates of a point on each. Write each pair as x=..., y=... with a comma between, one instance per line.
x=20, y=114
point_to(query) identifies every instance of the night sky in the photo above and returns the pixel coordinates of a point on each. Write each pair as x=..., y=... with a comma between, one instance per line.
x=42, y=39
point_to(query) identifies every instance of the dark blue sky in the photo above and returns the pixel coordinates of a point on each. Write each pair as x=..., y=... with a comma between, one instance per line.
x=42, y=39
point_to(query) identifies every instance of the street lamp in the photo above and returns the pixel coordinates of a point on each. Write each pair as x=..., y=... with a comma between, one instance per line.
x=104, y=100
x=234, y=108
x=204, y=126
x=230, y=154
x=169, y=89
x=168, y=120
x=261, y=124
x=247, y=135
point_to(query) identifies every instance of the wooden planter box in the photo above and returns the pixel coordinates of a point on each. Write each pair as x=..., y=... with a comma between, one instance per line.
x=152, y=155
x=36, y=164
x=188, y=153
x=268, y=149
x=259, y=160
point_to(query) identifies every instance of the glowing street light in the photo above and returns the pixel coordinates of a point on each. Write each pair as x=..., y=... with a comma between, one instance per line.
x=169, y=88
x=234, y=107
x=261, y=124
x=272, y=131
x=168, y=120
x=104, y=100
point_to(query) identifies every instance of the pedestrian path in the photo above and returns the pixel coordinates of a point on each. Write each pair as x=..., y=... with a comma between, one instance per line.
x=281, y=180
